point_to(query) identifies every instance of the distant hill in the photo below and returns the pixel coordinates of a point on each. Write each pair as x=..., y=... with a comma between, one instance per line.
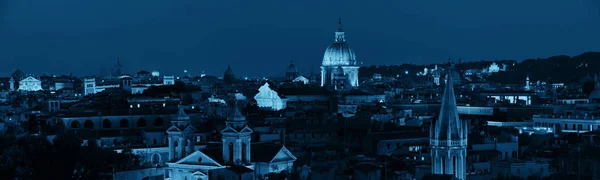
x=560, y=68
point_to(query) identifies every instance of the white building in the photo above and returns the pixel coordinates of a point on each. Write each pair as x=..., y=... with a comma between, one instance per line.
x=301, y=79
x=268, y=98
x=168, y=80
x=12, y=84
x=494, y=68
x=30, y=84
x=339, y=55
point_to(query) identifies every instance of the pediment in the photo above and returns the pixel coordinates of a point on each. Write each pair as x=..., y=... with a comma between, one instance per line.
x=190, y=128
x=30, y=79
x=198, y=158
x=173, y=129
x=247, y=130
x=283, y=155
x=229, y=129
x=198, y=174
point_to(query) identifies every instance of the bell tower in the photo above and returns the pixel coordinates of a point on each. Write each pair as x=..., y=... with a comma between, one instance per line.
x=236, y=139
x=448, y=137
x=181, y=136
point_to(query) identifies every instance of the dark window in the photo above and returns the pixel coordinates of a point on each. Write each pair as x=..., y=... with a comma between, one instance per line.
x=106, y=123
x=75, y=124
x=88, y=124
x=158, y=122
x=230, y=160
x=244, y=146
x=154, y=142
x=141, y=122
x=124, y=123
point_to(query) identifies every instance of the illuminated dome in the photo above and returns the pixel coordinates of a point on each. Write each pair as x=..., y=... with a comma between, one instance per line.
x=339, y=53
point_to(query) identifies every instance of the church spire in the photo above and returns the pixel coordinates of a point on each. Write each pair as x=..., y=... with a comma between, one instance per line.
x=181, y=115
x=448, y=125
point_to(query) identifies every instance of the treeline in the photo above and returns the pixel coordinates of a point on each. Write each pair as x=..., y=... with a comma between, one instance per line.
x=553, y=69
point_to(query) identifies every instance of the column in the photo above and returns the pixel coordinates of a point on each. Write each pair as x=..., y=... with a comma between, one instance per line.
x=247, y=153
x=190, y=147
x=237, y=150
x=171, y=149
x=181, y=149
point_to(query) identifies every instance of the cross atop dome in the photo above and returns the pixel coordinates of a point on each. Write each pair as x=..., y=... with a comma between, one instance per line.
x=340, y=25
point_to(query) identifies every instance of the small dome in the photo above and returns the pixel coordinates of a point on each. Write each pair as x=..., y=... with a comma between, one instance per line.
x=292, y=68
x=339, y=53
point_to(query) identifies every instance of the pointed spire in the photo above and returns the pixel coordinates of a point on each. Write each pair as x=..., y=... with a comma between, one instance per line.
x=236, y=115
x=181, y=115
x=448, y=125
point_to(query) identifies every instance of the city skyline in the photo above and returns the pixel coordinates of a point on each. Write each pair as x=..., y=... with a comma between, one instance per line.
x=65, y=39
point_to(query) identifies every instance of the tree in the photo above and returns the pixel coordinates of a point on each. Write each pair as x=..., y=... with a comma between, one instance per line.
x=588, y=87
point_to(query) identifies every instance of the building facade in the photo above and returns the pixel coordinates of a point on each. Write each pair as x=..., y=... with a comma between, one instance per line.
x=30, y=84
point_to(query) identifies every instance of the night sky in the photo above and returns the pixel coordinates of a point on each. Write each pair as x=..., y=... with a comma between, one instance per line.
x=260, y=38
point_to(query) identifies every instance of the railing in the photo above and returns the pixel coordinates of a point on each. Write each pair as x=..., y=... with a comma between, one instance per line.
x=435, y=142
x=549, y=116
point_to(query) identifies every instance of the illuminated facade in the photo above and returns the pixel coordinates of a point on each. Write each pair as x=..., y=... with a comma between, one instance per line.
x=339, y=56
x=448, y=138
x=12, y=84
x=30, y=84
x=301, y=79
x=527, y=85
x=267, y=98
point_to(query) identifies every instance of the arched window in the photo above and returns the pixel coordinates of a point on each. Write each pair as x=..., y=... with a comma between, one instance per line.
x=155, y=159
x=106, y=123
x=88, y=124
x=158, y=122
x=443, y=165
x=124, y=123
x=244, y=146
x=514, y=154
x=141, y=122
x=176, y=143
x=454, y=164
x=75, y=124
x=231, y=152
